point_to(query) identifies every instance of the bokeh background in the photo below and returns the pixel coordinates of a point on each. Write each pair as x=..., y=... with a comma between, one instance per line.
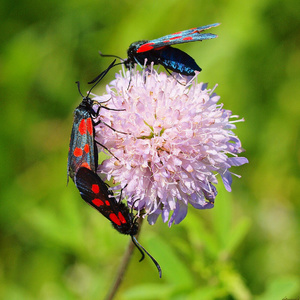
x=54, y=246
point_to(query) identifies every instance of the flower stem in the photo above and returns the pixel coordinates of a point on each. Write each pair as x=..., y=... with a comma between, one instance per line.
x=123, y=267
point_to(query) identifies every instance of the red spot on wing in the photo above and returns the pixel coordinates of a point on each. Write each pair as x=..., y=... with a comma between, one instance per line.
x=96, y=189
x=86, y=148
x=114, y=219
x=85, y=165
x=159, y=48
x=176, y=37
x=89, y=126
x=82, y=127
x=107, y=202
x=179, y=32
x=145, y=47
x=121, y=217
x=98, y=202
x=77, y=152
x=188, y=38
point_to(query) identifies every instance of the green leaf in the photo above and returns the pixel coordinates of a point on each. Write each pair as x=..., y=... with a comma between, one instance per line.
x=199, y=233
x=222, y=213
x=207, y=293
x=173, y=269
x=148, y=291
x=280, y=288
x=237, y=234
x=234, y=284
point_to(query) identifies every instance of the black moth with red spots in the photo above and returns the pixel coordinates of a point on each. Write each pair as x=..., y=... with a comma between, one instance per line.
x=96, y=193
x=159, y=51
x=83, y=149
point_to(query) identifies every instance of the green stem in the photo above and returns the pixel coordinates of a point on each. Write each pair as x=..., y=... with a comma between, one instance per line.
x=123, y=267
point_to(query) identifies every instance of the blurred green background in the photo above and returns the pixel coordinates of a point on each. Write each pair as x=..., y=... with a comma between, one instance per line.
x=54, y=246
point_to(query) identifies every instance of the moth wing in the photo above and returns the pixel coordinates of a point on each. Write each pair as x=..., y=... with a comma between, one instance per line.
x=186, y=36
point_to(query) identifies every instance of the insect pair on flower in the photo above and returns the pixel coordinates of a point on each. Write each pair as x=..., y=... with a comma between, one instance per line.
x=83, y=164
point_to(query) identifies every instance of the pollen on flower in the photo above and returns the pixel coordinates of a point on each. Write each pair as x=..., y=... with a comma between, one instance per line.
x=172, y=140
x=116, y=163
x=190, y=169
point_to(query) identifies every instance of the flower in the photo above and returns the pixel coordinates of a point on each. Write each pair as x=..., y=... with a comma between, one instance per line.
x=170, y=142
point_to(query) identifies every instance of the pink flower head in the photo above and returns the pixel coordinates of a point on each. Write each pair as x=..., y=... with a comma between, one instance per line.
x=171, y=141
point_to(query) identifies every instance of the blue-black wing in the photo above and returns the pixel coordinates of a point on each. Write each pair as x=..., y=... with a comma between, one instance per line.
x=82, y=150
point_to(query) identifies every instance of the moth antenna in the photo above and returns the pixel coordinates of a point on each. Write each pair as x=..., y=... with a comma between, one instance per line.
x=134, y=240
x=78, y=86
x=100, y=76
x=97, y=78
x=140, y=247
x=109, y=55
x=120, y=198
x=132, y=206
